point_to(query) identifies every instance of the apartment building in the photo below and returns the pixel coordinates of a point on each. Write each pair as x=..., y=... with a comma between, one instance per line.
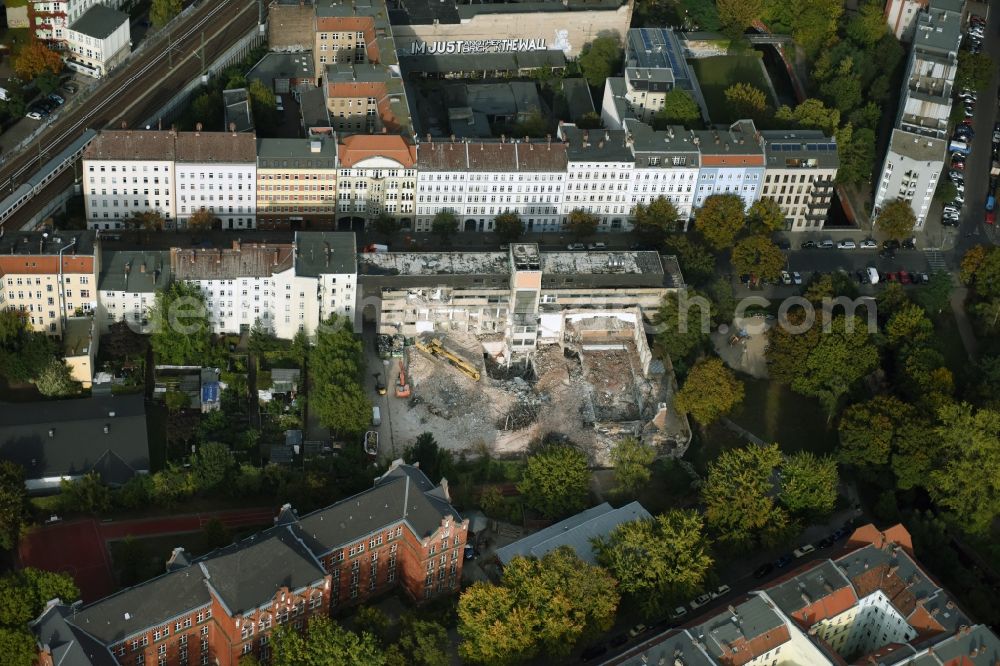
x=345, y=33
x=98, y=41
x=901, y=17
x=799, y=176
x=296, y=183
x=599, y=176
x=49, y=277
x=478, y=181
x=919, y=140
x=667, y=164
x=376, y=175
x=128, y=172
x=322, y=283
x=217, y=609
x=873, y=603
x=217, y=172
x=49, y=19
x=654, y=66
x=732, y=162
x=366, y=98
x=127, y=286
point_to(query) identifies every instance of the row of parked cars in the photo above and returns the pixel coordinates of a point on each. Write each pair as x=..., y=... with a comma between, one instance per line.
x=866, y=244
x=44, y=107
x=975, y=33
x=768, y=567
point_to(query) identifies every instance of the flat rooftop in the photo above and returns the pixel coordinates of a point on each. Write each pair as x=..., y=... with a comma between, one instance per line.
x=600, y=263
x=434, y=263
x=916, y=147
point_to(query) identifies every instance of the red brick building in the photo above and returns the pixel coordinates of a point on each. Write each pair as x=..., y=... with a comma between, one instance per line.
x=402, y=533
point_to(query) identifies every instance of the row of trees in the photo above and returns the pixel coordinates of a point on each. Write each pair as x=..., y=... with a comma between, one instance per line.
x=336, y=369
x=32, y=356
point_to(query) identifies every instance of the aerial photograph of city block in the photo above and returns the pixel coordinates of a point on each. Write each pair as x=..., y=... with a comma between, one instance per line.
x=499, y=332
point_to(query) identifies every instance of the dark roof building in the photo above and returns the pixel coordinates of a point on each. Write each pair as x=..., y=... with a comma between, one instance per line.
x=67, y=439
x=99, y=22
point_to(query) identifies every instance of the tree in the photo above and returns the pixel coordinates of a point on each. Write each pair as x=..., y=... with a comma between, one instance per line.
x=540, y=606
x=682, y=326
x=811, y=114
x=336, y=364
x=162, y=11
x=745, y=100
x=372, y=620
x=386, y=226
x=55, y=380
x=946, y=191
x=176, y=400
x=697, y=260
x=758, y=256
x=18, y=646
x=814, y=22
x=580, y=224
x=24, y=353
x=710, y=391
x=600, y=60
x=87, y=494
x=720, y=219
x=212, y=464
x=659, y=561
x=909, y=326
x=435, y=462
x=12, y=503
x=857, y=154
x=840, y=358
x=201, y=220
x=444, y=225
x=765, y=216
x=789, y=348
x=47, y=82
x=737, y=494
x=123, y=343
x=36, y=58
x=679, y=108
x=868, y=25
x=556, y=481
x=655, y=220
x=867, y=430
x=421, y=643
x=508, y=226
x=181, y=332
x=736, y=15
x=967, y=481
x=974, y=70
x=980, y=269
x=896, y=219
x=631, y=460
x=809, y=484
x=324, y=644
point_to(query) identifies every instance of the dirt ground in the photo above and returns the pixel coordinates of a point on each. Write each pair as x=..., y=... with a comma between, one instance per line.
x=748, y=354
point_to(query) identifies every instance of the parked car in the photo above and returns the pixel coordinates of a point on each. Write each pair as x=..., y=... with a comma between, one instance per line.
x=890, y=244
x=825, y=542
x=909, y=244
x=891, y=277
x=808, y=245
x=784, y=244
x=786, y=277
x=904, y=278
x=802, y=551
x=783, y=561
x=887, y=253
x=70, y=87
x=678, y=613
x=37, y=113
x=720, y=591
x=826, y=244
x=636, y=630
x=57, y=99
x=838, y=534
x=597, y=246
x=846, y=245
x=700, y=601
x=868, y=244
x=576, y=246
x=763, y=570
x=796, y=277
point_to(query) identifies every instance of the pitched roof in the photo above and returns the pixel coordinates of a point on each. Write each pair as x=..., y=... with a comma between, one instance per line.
x=216, y=147
x=168, y=146
x=403, y=493
x=68, y=438
x=68, y=645
x=248, y=573
x=99, y=22
x=243, y=260
x=136, y=271
x=491, y=156
x=358, y=147
x=323, y=252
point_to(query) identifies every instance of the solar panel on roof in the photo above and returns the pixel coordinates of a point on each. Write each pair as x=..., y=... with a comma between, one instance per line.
x=645, y=40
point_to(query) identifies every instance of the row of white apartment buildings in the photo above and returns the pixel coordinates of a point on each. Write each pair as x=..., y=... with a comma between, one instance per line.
x=93, y=35
x=919, y=142
x=324, y=183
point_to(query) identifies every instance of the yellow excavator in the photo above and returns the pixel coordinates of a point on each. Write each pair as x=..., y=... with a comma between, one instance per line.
x=436, y=349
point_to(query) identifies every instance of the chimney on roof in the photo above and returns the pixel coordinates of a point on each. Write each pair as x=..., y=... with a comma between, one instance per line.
x=107, y=428
x=124, y=124
x=232, y=128
x=453, y=138
x=503, y=138
x=429, y=139
x=444, y=488
x=52, y=432
x=197, y=127
x=142, y=267
x=236, y=244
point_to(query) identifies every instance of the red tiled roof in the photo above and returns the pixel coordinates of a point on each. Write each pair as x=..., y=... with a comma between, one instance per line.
x=358, y=147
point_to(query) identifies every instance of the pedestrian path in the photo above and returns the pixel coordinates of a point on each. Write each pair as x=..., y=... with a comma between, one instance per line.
x=935, y=260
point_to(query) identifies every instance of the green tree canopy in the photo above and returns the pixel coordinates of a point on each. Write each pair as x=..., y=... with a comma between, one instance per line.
x=809, y=484
x=56, y=381
x=679, y=108
x=162, y=11
x=386, y=226
x=697, y=260
x=765, y=216
x=868, y=26
x=811, y=114
x=434, y=461
x=788, y=348
x=212, y=464
x=556, y=481
x=660, y=561
x=745, y=100
x=711, y=390
x=24, y=353
x=757, y=255
x=421, y=643
x=840, y=358
x=509, y=226
x=682, y=326
x=655, y=220
x=181, y=332
x=867, y=430
x=24, y=593
x=737, y=495
x=580, y=224
x=974, y=70
x=444, y=225
x=13, y=496
x=324, y=644
x=336, y=365
x=896, y=219
x=631, y=460
x=542, y=606
x=87, y=494
x=857, y=154
x=736, y=15
x=721, y=219
x=599, y=60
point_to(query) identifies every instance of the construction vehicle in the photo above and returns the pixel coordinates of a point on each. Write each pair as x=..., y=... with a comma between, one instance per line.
x=436, y=349
x=379, y=384
x=402, y=388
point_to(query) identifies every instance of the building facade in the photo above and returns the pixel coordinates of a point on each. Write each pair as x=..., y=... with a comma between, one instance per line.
x=667, y=164
x=98, y=41
x=401, y=534
x=49, y=277
x=376, y=175
x=128, y=172
x=50, y=18
x=800, y=173
x=479, y=181
x=732, y=162
x=901, y=17
x=127, y=287
x=600, y=173
x=217, y=172
x=296, y=183
x=918, y=145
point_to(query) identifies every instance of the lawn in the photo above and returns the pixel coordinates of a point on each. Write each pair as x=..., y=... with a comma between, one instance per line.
x=717, y=73
x=775, y=414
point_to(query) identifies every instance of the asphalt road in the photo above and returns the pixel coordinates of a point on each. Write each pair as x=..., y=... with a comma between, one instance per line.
x=132, y=94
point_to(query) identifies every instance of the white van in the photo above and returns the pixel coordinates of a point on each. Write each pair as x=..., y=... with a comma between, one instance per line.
x=872, y=277
x=4, y=95
x=278, y=104
x=376, y=416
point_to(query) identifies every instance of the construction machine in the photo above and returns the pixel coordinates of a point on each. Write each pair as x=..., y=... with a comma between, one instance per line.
x=436, y=349
x=402, y=388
